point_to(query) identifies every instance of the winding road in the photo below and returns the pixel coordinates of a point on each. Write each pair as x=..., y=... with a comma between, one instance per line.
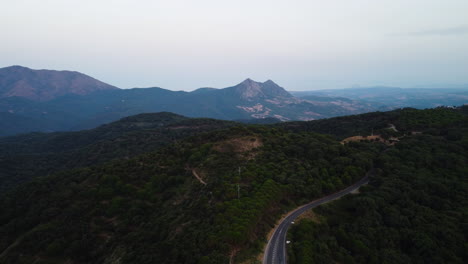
x=275, y=252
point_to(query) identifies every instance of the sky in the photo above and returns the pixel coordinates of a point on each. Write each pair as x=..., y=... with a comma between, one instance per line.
x=187, y=44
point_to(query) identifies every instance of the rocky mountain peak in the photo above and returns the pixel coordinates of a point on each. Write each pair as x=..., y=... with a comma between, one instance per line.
x=250, y=89
x=272, y=89
x=249, y=81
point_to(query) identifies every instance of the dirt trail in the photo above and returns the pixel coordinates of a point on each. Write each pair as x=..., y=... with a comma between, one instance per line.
x=15, y=243
x=232, y=255
x=198, y=177
x=392, y=127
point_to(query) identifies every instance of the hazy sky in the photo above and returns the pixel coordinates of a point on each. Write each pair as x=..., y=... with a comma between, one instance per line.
x=186, y=44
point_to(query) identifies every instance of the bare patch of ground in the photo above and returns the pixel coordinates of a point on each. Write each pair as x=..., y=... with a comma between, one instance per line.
x=375, y=138
x=186, y=127
x=258, y=108
x=238, y=145
x=280, y=117
x=392, y=127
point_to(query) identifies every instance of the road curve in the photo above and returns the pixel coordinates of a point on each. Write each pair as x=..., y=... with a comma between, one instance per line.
x=275, y=252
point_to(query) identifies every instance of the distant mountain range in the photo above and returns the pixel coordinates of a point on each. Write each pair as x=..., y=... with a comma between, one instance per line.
x=396, y=97
x=43, y=100
x=46, y=101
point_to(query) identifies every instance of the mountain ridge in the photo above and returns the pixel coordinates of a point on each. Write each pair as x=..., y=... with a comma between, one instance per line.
x=27, y=106
x=65, y=108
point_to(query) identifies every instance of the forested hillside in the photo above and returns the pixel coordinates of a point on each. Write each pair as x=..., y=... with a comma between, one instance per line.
x=152, y=209
x=414, y=210
x=405, y=121
x=32, y=155
x=213, y=197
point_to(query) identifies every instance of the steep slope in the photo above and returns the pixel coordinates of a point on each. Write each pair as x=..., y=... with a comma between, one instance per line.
x=44, y=85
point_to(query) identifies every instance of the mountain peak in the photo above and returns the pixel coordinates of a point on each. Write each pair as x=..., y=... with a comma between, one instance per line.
x=249, y=81
x=250, y=89
x=44, y=85
x=16, y=67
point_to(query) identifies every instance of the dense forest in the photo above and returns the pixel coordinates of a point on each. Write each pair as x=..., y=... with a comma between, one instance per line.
x=212, y=196
x=31, y=155
x=414, y=210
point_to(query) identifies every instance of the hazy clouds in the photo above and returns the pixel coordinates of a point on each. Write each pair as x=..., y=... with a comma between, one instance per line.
x=460, y=30
x=185, y=44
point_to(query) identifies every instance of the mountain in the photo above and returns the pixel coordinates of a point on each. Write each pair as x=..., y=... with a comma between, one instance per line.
x=48, y=101
x=250, y=90
x=44, y=85
x=213, y=197
x=395, y=97
x=64, y=101
x=251, y=99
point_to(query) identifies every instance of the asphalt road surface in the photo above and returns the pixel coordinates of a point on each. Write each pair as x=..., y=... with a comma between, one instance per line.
x=276, y=249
